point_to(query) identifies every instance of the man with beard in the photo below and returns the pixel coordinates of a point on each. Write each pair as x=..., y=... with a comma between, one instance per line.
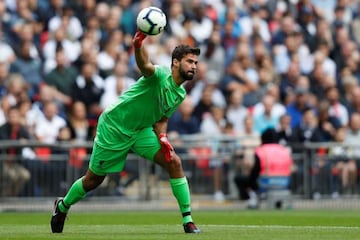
x=137, y=122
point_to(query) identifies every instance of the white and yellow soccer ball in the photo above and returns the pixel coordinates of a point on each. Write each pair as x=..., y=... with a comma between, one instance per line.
x=151, y=20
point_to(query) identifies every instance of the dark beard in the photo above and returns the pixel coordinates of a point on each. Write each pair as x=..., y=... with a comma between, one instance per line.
x=185, y=76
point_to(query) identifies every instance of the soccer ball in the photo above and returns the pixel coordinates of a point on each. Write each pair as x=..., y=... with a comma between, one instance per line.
x=151, y=20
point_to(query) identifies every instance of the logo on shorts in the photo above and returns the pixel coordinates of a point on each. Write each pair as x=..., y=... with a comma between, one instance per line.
x=101, y=163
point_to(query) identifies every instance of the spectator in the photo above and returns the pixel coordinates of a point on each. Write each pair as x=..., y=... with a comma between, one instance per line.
x=214, y=125
x=204, y=105
x=89, y=50
x=261, y=55
x=62, y=77
x=353, y=103
x=5, y=23
x=7, y=52
x=128, y=16
x=88, y=88
x=250, y=137
x=36, y=112
x=337, y=109
x=23, y=13
x=213, y=54
x=78, y=124
x=345, y=161
x=201, y=25
x=348, y=85
x=24, y=107
x=321, y=57
x=163, y=56
x=236, y=112
x=4, y=74
x=342, y=14
x=325, y=178
x=328, y=125
x=63, y=158
x=47, y=126
x=80, y=130
x=254, y=23
x=182, y=121
x=300, y=104
x=85, y=11
x=16, y=89
x=244, y=155
x=241, y=75
x=308, y=129
x=284, y=130
x=277, y=110
x=293, y=48
x=92, y=28
x=176, y=17
x=214, y=122
x=307, y=16
x=116, y=84
x=28, y=33
x=231, y=32
x=250, y=77
x=72, y=49
x=14, y=174
x=352, y=135
x=106, y=59
x=52, y=8
x=351, y=66
x=320, y=79
x=287, y=26
x=111, y=24
x=202, y=81
x=102, y=12
x=4, y=106
x=324, y=33
x=355, y=25
x=267, y=118
x=288, y=81
x=344, y=47
x=66, y=18
x=29, y=68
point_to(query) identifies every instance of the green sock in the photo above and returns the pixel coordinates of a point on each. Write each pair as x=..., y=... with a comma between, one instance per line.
x=180, y=189
x=75, y=194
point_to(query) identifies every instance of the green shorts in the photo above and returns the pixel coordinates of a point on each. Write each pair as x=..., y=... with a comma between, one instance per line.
x=105, y=160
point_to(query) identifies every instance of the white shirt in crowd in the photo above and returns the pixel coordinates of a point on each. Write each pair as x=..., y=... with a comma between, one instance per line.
x=48, y=129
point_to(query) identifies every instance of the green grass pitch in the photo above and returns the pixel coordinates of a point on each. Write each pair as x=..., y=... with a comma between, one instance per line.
x=219, y=225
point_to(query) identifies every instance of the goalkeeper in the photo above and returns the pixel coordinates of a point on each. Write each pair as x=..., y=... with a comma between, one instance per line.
x=138, y=122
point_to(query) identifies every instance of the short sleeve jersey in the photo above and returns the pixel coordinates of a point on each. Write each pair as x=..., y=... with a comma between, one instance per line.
x=146, y=102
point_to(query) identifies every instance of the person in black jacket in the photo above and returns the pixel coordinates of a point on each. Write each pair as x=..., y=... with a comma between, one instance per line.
x=14, y=175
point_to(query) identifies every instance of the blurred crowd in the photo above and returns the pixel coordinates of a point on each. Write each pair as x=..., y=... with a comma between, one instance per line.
x=292, y=65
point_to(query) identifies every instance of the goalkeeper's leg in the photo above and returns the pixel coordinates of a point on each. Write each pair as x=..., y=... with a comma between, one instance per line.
x=77, y=192
x=180, y=189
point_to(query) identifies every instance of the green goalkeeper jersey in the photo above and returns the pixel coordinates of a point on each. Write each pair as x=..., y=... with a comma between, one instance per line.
x=145, y=103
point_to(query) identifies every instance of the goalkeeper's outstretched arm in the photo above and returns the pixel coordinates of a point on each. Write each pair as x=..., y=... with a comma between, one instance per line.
x=141, y=56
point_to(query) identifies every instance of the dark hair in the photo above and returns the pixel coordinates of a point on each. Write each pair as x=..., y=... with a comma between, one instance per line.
x=269, y=136
x=182, y=50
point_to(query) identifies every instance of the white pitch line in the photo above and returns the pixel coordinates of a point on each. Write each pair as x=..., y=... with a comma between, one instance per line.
x=285, y=227
x=245, y=226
